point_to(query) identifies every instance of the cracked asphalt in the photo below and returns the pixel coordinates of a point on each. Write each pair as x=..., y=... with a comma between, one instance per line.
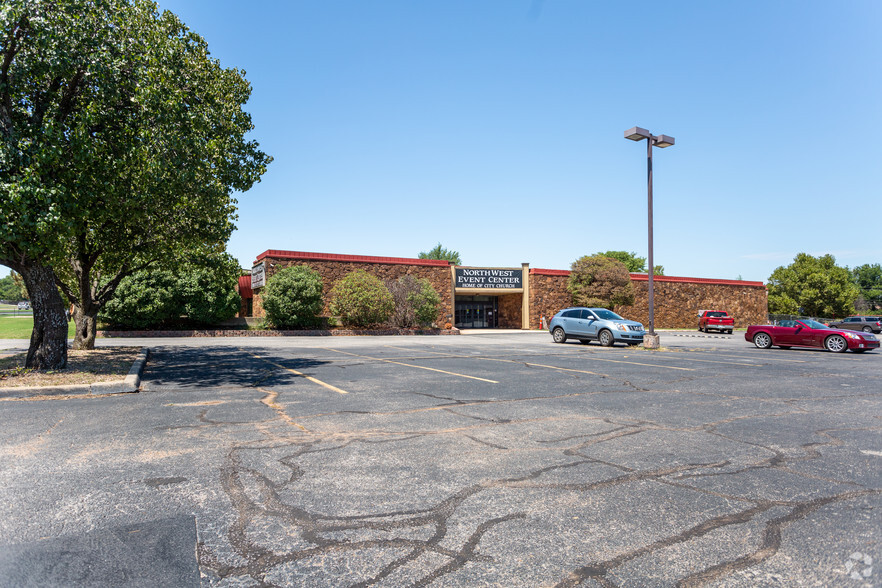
x=482, y=460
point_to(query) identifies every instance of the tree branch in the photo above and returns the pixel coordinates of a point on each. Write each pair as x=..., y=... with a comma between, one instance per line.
x=11, y=48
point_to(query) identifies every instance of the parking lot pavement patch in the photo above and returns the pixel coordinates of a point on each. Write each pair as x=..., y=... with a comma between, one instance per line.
x=149, y=554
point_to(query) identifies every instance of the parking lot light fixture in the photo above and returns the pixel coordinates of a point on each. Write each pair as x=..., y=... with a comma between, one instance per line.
x=650, y=340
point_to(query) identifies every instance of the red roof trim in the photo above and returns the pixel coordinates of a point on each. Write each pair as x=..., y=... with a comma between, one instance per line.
x=549, y=272
x=279, y=254
x=645, y=278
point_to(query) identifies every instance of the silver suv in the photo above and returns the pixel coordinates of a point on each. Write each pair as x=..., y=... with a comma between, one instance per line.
x=867, y=324
x=588, y=324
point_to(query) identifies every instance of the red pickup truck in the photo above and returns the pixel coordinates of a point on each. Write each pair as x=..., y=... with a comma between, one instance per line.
x=718, y=320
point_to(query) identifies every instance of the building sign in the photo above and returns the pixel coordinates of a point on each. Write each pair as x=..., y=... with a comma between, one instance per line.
x=258, y=276
x=489, y=278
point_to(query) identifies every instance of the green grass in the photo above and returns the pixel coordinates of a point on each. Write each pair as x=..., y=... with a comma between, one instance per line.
x=20, y=327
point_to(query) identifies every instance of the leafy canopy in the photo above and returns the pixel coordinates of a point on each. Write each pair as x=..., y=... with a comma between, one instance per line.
x=121, y=141
x=598, y=280
x=812, y=286
x=868, y=278
x=9, y=289
x=203, y=290
x=634, y=263
x=439, y=252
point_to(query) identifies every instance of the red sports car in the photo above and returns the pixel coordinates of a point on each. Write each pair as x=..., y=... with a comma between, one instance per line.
x=809, y=333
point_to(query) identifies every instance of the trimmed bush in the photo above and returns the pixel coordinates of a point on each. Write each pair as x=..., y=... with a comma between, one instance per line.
x=202, y=289
x=361, y=300
x=293, y=297
x=142, y=301
x=416, y=302
x=597, y=280
x=206, y=289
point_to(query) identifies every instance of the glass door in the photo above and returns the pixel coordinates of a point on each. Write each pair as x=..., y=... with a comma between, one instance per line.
x=476, y=312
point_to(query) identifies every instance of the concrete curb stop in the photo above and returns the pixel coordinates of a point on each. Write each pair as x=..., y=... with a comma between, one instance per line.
x=131, y=383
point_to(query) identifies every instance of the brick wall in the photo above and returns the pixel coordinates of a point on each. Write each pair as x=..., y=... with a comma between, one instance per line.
x=332, y=270
x=548, y=294
x=677, y=300
x=510, y=311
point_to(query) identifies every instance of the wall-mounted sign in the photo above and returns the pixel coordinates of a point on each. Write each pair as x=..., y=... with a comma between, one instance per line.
x=489, y=278
x=258, y=276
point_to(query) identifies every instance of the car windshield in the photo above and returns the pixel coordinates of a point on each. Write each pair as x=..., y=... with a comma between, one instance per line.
x=606, y=315
x=814, y=324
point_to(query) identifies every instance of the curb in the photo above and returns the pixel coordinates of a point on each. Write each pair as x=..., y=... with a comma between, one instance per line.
x=277, y=333
x=131, y=383
x=701, y=336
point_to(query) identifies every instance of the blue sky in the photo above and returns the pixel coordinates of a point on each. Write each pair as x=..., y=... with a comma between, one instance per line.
x=495, y=127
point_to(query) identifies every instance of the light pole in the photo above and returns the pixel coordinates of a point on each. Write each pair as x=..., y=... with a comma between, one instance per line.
x=650, y=340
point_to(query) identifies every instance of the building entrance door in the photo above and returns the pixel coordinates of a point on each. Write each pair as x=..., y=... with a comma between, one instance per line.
x=476, y=312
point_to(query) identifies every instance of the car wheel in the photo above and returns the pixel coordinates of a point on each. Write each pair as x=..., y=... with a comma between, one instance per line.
x=762, y=340
x=729, y=331
x=868, y=330
x=836, y=343
x=606, y=338
x=558, y=335
x=700, y=330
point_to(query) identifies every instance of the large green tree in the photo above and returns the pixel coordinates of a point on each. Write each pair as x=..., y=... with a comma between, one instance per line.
x=868, y=278
x=598, y=280
x=123, y=144
x=439, y=252
x=633, y=262
x=813, y=286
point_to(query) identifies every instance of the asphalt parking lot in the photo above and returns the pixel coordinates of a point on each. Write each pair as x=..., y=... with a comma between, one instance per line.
x=496, y=459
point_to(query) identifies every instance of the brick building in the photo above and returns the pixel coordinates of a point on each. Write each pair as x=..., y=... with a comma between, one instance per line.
x=516, y=297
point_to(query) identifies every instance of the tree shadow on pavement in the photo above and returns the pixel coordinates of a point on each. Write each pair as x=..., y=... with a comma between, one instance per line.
x=188, y=367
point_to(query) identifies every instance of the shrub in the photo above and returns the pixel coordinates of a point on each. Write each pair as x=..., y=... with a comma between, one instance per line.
x=293, y=297
x=143, y=300
x=598, y=280
x=203, y=289
x=361, y=300
x=416, y=302
x=206, y=289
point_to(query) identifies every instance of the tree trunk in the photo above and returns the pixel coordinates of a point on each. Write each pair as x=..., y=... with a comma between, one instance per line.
x=86, y=328
x=48, y=349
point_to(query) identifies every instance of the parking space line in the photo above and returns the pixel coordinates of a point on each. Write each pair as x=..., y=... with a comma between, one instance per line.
x=483, y=357
x=765, y=358
x=666, y=367
x=552, y=367
x=301, y=374
x=674, y=356
x=419, y=367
